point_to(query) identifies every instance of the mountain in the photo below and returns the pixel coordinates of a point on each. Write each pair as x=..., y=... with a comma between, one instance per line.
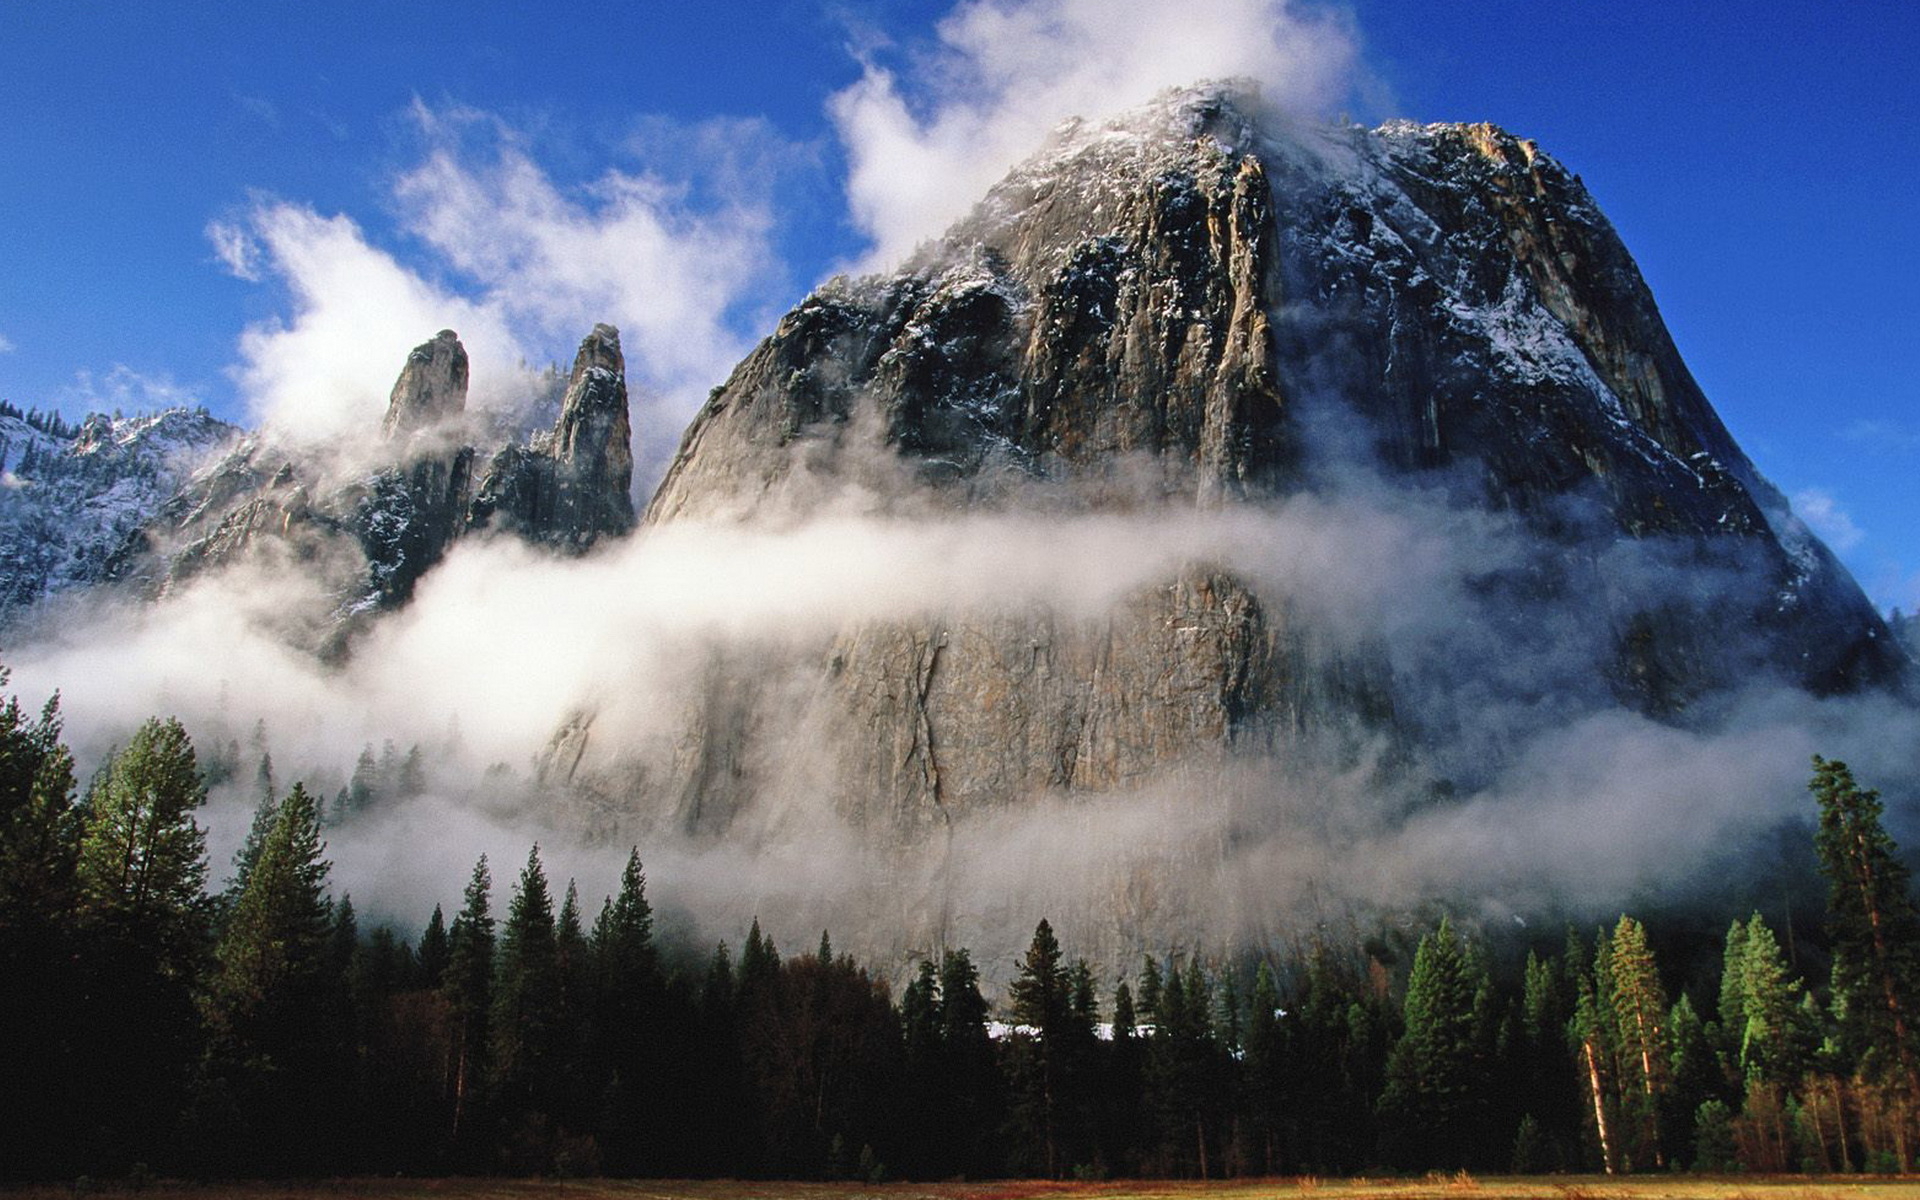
x=1203, y=308
x=70, y=495
x=371, y=525
x=1231, y=515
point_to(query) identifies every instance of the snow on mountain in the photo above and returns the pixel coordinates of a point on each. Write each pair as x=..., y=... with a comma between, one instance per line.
x=69, y=497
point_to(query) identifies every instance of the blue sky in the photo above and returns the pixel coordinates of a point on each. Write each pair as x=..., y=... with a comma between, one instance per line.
x=252, y=205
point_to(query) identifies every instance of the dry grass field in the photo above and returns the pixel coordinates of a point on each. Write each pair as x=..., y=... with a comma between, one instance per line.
x=1433, y=1187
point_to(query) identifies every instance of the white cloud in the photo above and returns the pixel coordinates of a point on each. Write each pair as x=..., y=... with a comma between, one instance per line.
x=325, y=372
x=1822, y=512
x=1007, y=71
x=124, y=389
x=520, y=265
x=1881, y=436
x=6, y=344
x=623, y=248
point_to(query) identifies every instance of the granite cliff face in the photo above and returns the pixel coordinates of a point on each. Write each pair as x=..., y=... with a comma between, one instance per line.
x=371, y=533
x=571, y=487
x=1197, y=307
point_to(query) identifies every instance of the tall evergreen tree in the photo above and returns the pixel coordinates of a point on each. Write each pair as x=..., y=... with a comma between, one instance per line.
x=1431, y=1106
x=973, y=1075
x=629, y=993
x=928, y=1120
x=1265, y=1059
x=143, y=860
x=1590, y=1035
x=1695, y=1079
x=1642, y=1048
x=39, y=971
x=468, y=987
x=525, y=998
x=1042, y=1000
x=265, y=813
x=270, y=1003
x=1124, y=1086
x=433, y=953
x=143, y=928
x=1872, y=926
x=1185, y=1085
x=1770, y=1046
x=1548, y=1085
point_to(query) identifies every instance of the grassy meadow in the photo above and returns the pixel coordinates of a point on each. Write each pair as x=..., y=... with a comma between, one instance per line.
x=1431, y=1187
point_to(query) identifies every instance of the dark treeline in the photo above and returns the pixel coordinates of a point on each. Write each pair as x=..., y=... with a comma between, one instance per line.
x=50, y=423
x=155, y=1020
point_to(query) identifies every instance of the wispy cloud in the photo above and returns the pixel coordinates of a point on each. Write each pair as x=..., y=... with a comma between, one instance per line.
x=123, y=389
x=259, y=108
x=6, y=344
x=1823, y=513
x=1884, y=436
x=492, y=245
x=925, y=141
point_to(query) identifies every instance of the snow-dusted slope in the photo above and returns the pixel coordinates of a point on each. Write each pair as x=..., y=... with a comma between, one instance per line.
x=70, y=498
x=1204, y=307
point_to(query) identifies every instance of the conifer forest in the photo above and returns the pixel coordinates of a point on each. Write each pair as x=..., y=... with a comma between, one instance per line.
x=166, y=1015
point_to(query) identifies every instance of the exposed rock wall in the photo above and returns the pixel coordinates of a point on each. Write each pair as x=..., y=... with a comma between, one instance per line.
x=371, y=533
x=572, y=487
x=1199, y=306
x=432, y=387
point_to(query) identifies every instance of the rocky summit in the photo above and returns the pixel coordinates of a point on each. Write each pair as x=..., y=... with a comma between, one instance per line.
x=371, y=531
x=1222, y=477
x=1202, y=307
x=432, y=386
x=570, y=487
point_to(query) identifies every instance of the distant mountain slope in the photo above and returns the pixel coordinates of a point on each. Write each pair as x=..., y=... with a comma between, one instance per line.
x=369, y=523
x=71, y=496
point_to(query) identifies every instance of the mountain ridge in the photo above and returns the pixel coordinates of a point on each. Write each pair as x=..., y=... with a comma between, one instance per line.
x=1309, y=478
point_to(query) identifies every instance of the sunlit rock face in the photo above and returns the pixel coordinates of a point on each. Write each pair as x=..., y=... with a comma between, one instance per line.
x=432, y=386
x=1202, y=307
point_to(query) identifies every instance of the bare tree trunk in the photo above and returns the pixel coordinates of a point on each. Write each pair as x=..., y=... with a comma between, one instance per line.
x=1599, y=1105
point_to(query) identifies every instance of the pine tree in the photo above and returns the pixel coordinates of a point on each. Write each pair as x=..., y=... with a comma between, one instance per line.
x=412, y=780
x=275, y=944
x=270, y=1003
x=39, y=826
x=433, y=951
x=627, y=1003
x=363, y=791
x=264, y=786
x=265, y=814
x=1695, y=1078
x=144, y=921
x=1042, y=1001
x=1183, y=1078
x=1549, y=1087
x=526, y=995
x=1264, y=1062
x=928, y=1120
x=1589, y=1034
x=39, y=951
x=973, y=1075
x=1431, y=1105
x=143, y=860
x=1644, y=1053
x=1873, y=928
x=1125, y=1085
x=468, y=987
x=1770, y=1047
